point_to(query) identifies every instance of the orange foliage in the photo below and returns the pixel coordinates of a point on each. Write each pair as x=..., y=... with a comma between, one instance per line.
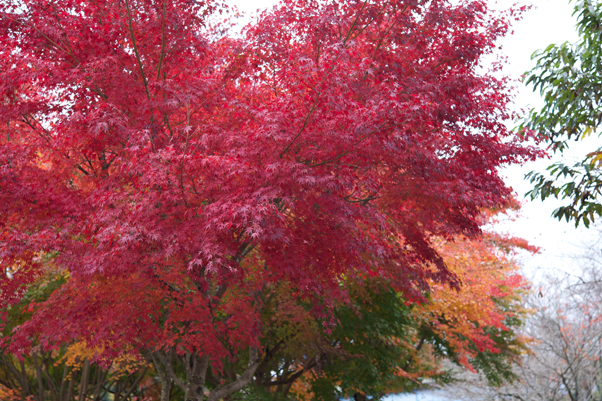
x=490, y=293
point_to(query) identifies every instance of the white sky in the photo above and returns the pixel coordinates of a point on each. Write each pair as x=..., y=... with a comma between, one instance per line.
x=549, y=21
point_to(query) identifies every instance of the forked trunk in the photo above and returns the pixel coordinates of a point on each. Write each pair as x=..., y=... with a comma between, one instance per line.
x=196, y=371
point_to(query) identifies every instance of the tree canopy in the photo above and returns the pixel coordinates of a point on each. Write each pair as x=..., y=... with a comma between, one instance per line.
x=173, y=169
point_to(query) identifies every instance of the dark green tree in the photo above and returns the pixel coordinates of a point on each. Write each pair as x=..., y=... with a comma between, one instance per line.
x=569, y=77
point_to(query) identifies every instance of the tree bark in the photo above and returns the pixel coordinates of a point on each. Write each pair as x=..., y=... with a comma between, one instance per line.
x=39, y=378
x=163, y=368
x=83, y=386
x=196, y=371
x=71, y=385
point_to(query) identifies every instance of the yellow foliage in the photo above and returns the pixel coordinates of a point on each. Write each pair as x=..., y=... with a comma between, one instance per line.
x=301, y=389
x=122, y=365
x=77, y=353
x=128, y=363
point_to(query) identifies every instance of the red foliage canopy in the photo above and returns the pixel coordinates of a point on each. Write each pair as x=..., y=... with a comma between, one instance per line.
x=145, y=145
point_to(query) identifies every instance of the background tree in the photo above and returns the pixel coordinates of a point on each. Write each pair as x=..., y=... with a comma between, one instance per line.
x=174, y=169
x=567, y=77
x=564, y=362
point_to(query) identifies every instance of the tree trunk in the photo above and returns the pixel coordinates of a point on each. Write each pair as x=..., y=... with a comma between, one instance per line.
x=83, y=386
x=63, y=382
x=71, y=384
x=38, y=369
x=196, y=371
x=25, y=383
x=166, y=386
x=167, y=377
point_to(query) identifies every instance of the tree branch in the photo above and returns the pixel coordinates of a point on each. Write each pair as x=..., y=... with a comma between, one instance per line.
x=162, y=41
x=293, y=377
x=169, y=373
x=242, y=380
x=127, y=5
x=134, y=384
x=311, y=111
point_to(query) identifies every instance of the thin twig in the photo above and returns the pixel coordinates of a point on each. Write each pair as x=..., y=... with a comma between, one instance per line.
x=127, y=5
x=162, y=41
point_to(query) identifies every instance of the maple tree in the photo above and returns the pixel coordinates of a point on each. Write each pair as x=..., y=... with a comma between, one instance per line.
x=174, y=169
x=563, y=362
